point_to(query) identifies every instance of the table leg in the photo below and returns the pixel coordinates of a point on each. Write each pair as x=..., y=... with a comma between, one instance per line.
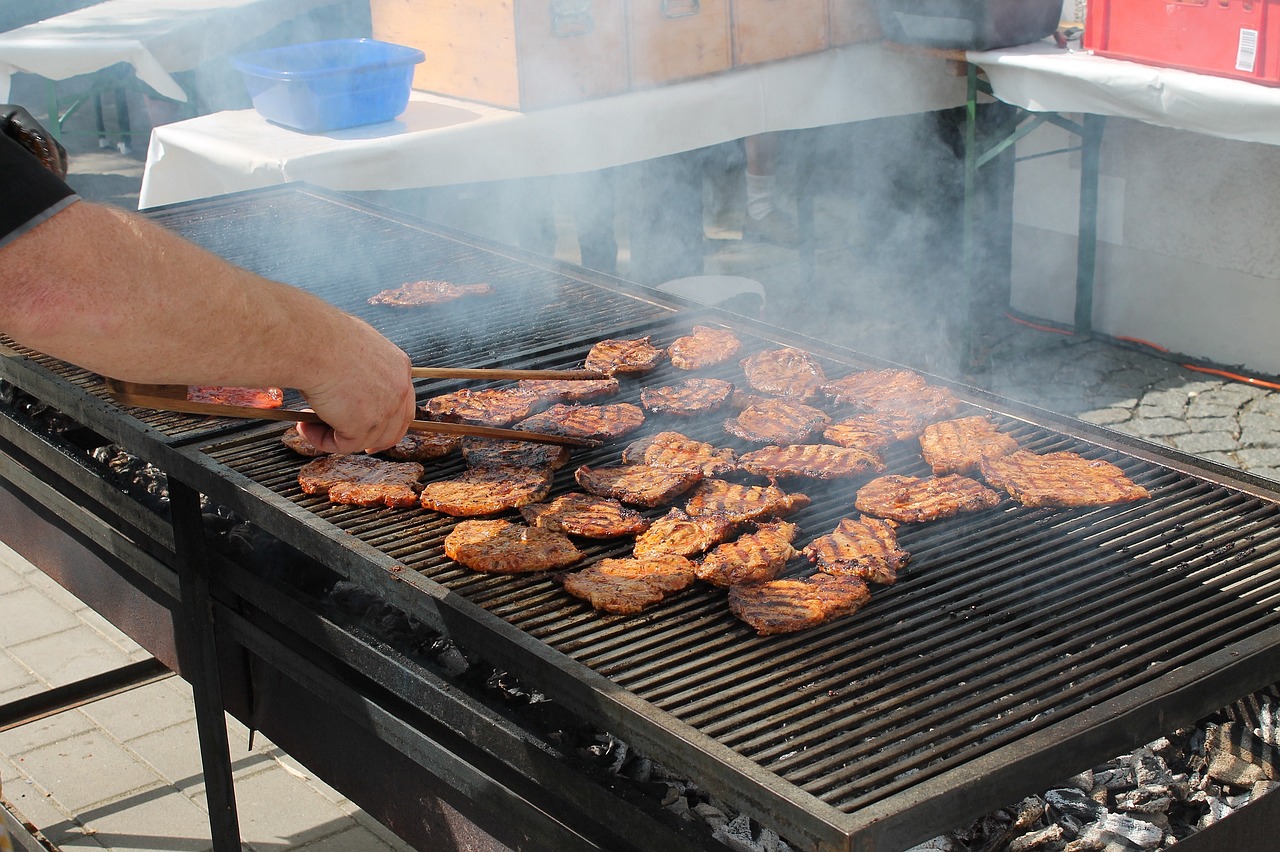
x=968, y=213
x=1087, y=238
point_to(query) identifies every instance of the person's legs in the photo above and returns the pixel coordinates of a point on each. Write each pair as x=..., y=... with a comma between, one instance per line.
x=764, y=221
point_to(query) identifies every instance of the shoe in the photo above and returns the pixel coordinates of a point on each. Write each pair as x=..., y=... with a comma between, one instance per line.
x=776, y=228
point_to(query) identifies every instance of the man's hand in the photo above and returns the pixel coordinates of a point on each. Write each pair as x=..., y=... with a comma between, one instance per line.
x=21, y=126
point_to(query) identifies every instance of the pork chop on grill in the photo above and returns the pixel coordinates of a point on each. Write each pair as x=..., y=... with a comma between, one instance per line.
x=704, y=347
x=585, y=515
x=862, y=389
x=247, y=397
x=777, y=421
x=417, y=294
x=293, y=439
x=628, y=357
x=679, y=452
x=598, y=422
x=677, y=533
x=741, y=503
x=958, y=446
x=422, y=446
x=362, y=480
x=816, y=461
x=501, y=547
x=860, y=547
x=787, y=606
x=1060, y=479
x=751, y=558
x=569, y=390
x=499, y=452
x=911, y=499
x=688, y=398
x=487, y=490
x=787, y=372
x=483, y=406
x=873, y=431
x=637, y=484
x=627, y=586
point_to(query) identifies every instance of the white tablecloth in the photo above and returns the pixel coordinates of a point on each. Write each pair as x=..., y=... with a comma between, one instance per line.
x=440, y=141
x=156, y=37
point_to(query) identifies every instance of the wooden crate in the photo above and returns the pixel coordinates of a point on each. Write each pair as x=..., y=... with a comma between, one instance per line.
x=764, y=30
x=677, y=39
x=522, y=54
x=853, y=21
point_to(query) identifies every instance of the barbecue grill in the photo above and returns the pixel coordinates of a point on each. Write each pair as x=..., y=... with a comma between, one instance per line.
x=1019, y=647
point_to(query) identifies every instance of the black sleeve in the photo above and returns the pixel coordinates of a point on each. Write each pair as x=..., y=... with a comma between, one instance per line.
x=29, y=193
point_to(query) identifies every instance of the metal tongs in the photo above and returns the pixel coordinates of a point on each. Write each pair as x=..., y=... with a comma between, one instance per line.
x=174, y=398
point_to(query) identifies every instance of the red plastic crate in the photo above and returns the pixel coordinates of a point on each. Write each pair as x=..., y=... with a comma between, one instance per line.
x=1226, y=38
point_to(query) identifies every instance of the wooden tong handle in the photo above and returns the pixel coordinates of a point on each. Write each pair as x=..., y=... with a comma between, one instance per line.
x=469, y=373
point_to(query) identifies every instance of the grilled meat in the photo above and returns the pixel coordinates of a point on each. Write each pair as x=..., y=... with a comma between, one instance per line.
x=416, y=294
x=501, y=547
x=626, y=586
x=957, y=446
x=705, y=347
x=791, y=373
x=863, y=547
x=300, y=445
x=817, y=461
x=362, y=480
x=910, y=499
x=627, y=357
x=569, y=390
x=248, y=397
x=677, y=452
x=422, y=446
x=496, y=452
x=637, y=484
x=487, y=490
x=927, y=404
x=585, y=515
x=688, y=398
x=786, y=606
x=777, y=421
x=600, y=422
x=677, y=533
x=1060, y=479
x=741, y=503
x=874, y=431
x=485, y=406
x=752, y=558
x=864, y=388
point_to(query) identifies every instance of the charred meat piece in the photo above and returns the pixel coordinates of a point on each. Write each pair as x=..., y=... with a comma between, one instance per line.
x=863, y=547
x=626, y=357
x=752, y=558
x=637, y=484
x=874, y=431
x=957, y=446
x=599, y=422
x=1060, y=479
x=362, y=480
x=569, y=390
x=705, y=347
x=791, y=373
x=627, y=586
x=586, y=515
x=863, y=389
x=487, y=491
x=300, y=445
x=688, y=398
x=910, y=499
x=816, y=461
x=786, y=606
x=496, y=452
x=777, y=421
x=501, y=547
x=248, y=397
x=741, y=503
x=677, y=533
x=678, y=452
x=416, y=294
x=485, y=406
x=422, y=446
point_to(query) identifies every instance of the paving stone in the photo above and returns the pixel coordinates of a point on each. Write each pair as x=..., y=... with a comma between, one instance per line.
x=31, y=802
x=160, y=819
x=70, y=655
x=1156, y=427
x=143, y=711
x=278, y=810
x=10, y=579
x=1227, y=459
x=1225, y=425
x=355, y=839
x=1205, y=442
x=88, y=770
x=1106, y=416
x=174, y=754
x=1259, y=434
x=1268, y=404
x=19, y=740
x=27, y=614
x=1251, y=457
x=15, y=678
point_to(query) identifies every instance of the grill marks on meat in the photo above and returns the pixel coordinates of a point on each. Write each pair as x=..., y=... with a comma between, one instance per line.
x=741, y=503
x=911, y=499
x=300, y=445
x=678, y=452
x=627, y=357
x=487, y=491
x=501, y=547
x=677, y=533
x=816, y=461
x=752, y=558
x=863, y=389
x=863, y=547
x=705, y=347
x=496, y=452
x=1060, y=479
x=874, y=431
x=422, y=446
x=777, y=421
x=416, y=294
x=569, y=390
x=786, y=606
x=599, y=422
x=362, y=480
x=958, y=446
x=627, y=586
x=484, y=406
x=585, y=515
x=637, y=484
x=247, y=397
x=688, y=398
x=787, y=372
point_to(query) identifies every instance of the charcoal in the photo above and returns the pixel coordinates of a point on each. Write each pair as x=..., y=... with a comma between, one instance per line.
x=1120, y=833
x=1072, y=809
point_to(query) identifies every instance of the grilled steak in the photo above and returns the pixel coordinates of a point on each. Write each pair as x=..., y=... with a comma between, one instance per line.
x=777, y=421
x=909, y=499
x=248, y=397
x=864, y=547
x=928, y=404
x=817, y=461
x=705, y=347
x=601, y=422
x=677, y=533
x=690, y=397
x=627, y=357
x=486, y=406
x=678, y=452
x=637, y=484
x=957, y=446
x=792, y=373
x=362, y=480
x=626, y=586
x=487, y=491
x=864, y=388
x=501, y=547
x=752, y=558
x=741, y=503
x=416, y=294
x=300, y=445
x=874, y=431
x=422, y=446
x=1060, y=479
x=496, y=452
x=569, y=390
x=586, y=515
x=786, y=606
